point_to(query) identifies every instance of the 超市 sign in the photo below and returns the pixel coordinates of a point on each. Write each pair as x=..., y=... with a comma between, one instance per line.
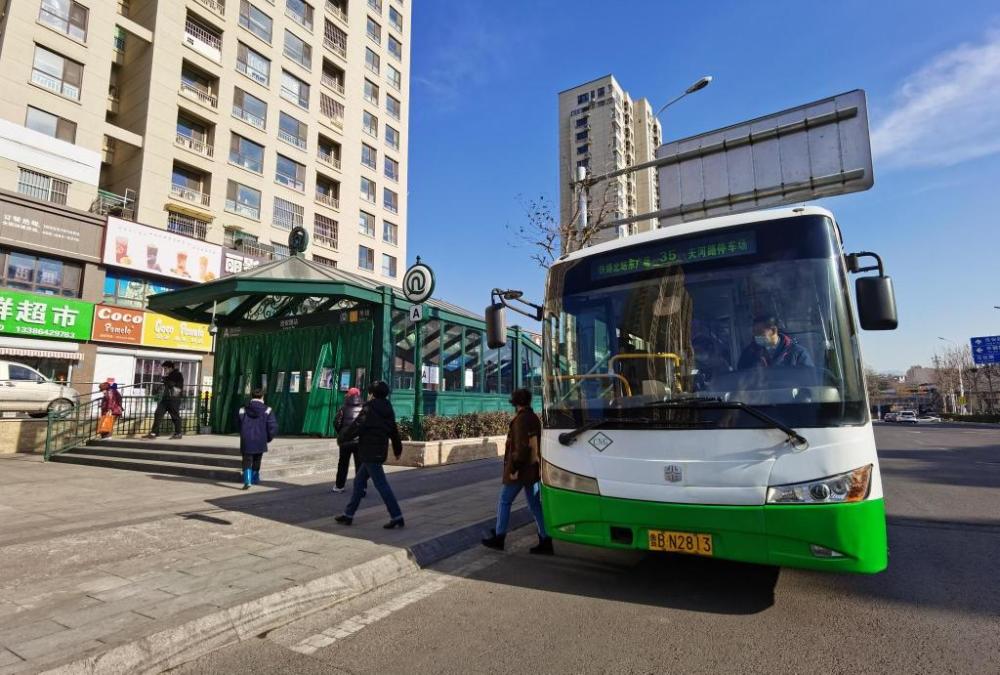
x=47, y=316
x=986, y=349
x=418, y=283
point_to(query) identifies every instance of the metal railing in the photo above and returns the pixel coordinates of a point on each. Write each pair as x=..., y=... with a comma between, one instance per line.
x=248, y=117
x=291, y=139
x=336, y=12
x=336, y=46
x=195, y=145
x=253, y=247
x=189, y=195
x=328, y=158
x=248, y=162
x=244, y=210
x=328, y=200
x=201, y=94
x=251, y=72
x=333, y=83
x=76, y=426
x=194, y=32
x=290, y=181
x=215, y=5
x=108, y=203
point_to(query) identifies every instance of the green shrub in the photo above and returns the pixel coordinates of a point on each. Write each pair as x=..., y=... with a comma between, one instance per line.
x=980, y=417
x=471, y=425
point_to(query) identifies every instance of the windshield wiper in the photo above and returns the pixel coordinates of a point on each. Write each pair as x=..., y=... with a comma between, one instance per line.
x=567, y=437
x=795, y=439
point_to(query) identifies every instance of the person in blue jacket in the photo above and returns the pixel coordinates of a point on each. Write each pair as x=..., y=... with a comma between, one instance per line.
x=772, y=348
x=258, y=427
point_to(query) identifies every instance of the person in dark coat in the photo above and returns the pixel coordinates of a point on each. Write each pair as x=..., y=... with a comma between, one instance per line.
x=258, y=427
x=521, y=470
x=344, y=418
x=173, y=390
x=111, y=402
x=772, y=349
x=374, y=428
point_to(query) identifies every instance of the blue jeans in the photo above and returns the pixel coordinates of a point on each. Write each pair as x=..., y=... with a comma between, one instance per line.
x=507, y=495
x=377, y=474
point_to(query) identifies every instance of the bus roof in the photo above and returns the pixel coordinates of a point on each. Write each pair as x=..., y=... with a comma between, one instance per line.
x=698, y=226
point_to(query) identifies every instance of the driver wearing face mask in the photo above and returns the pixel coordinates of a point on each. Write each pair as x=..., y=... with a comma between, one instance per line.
x=773, y=349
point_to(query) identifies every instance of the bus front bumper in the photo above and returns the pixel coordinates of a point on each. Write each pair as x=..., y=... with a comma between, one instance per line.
x=779, y=534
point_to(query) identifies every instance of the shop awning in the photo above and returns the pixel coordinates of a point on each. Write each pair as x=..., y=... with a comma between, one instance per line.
x=40, y=354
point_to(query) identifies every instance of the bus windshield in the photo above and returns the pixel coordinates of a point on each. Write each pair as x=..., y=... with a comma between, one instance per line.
x=755, y=313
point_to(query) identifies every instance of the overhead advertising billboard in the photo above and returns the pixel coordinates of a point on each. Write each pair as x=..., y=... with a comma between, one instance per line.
x=149, y=250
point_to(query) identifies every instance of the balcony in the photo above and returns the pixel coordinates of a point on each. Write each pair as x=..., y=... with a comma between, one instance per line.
x=217, y=6
x=114, y=103
x=187, y=194
x=51, y=83
x=195, y=145
x=290, y=181
x=336, y=45
x=336, y=12
x=254, y=248
x=245, y=210
x=332, y=83
x=332, y=111
x=328, y=200
x=111, y=204
x=291, y=139
x=251, y=72
x=203, y=96
x=189, y=226
x=202, y=40
x=329, y=159
x=248, y=117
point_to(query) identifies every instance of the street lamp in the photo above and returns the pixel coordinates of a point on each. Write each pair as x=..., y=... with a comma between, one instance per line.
x=961, y=382
x=697, y=86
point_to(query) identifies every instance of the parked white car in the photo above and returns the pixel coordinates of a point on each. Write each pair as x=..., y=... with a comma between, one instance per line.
x=24, y=389
x=906, y=417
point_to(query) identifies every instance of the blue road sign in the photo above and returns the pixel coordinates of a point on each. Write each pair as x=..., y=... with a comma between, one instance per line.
x=985, y=350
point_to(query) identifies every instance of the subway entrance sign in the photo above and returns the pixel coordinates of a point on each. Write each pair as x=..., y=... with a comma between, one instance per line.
x=986, y=349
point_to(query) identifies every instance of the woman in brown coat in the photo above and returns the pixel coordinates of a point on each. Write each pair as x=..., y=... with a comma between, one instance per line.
x=521, y=465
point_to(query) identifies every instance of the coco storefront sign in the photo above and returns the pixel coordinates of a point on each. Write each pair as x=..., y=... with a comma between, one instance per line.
x=136, y=327
x=47, y=316
x=153, y=251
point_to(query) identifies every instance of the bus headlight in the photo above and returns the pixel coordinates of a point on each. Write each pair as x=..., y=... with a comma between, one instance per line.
x=555, y=477
x=843, y=488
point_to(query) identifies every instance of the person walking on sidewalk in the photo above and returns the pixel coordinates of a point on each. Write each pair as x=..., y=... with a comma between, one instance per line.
x=111, y=408
x=521, y=469
x=258, y=427
x=375, y=427
x=345, y=417
x=170, y=400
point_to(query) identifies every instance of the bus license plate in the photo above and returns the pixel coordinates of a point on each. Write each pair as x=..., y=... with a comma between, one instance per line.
x=680, y=542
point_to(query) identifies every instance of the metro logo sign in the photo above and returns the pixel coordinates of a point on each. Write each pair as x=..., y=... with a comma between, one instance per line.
x=118, y=324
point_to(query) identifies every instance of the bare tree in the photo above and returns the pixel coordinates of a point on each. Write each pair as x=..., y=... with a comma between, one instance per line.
x=874, y=384
x=948, y=365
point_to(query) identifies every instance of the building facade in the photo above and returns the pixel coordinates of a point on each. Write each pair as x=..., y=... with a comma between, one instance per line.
x=602, y=129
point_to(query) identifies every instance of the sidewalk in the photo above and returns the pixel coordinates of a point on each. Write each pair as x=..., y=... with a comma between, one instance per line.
x=119, y=571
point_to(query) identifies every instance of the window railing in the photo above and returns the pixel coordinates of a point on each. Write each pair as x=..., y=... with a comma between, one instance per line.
x=291, y=139
x=328, y=200
x=195, y=145
x=178, y=223
x=248, y=162
x=195, y=34
x=336, y=45
x=390, y=207
x=294, y=96
x=254, y=248
x=328, y=158
x=108, y=203
x=187, y=194
x=251, y=72
x=332, y=110
x=248, y=117
x=333, y=83
x=218, y=6
x=52, y=83
x=245, y=210
x=201, y=95
x=336, y=12
x=301, y=19
x=376, y=5
x=290, y=181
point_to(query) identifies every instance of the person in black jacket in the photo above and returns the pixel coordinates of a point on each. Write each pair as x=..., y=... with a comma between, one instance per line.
x=173, y=389
x=345, y=417
x=258, y=427
x=374, y=428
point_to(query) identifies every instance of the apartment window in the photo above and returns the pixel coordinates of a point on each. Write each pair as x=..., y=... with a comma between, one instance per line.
x=369, y=156
x=581, y=136
x=391, y=137
x=327, y=262
x=376, y=5
x=395, y=18
x=374, y=30
x=391, y=168
x=297, y=50
x=290, y=173
x=390, y=232
x=50, y=125
x=57, y=73
x=390, y=200
x=244, y=152
x=388, y=265
x=366, y=258
x=253, y=64
x=193, y=135
x=333, y=77
x=325, y=230
x=329, y=151
x=189, y=185
x=199, y=83
x=600, y=92
x=331, y=109
x=255, y=21
x=295, y=90
x=581, y=122
x=249, y=108
x=582, y=98
x=292, y=131
x=334, y=38
x=368, y=190
x=300, y=12
x=371, y=91
x=371, y=60
x=40, y=275
x=582, y=149
x=395, y=77
x=66, y=17
x=46, y=188
x=395, y=47
x=366, y=224
x=280, y=250
x=393, y=107
x=287, y=215
x=583, y=163
x=369, y=124
x=189, y=226
x=242, y=200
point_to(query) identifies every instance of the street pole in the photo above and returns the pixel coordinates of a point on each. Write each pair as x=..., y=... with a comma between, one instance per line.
x=418, y=380
x=961, y=389
x=582, y=198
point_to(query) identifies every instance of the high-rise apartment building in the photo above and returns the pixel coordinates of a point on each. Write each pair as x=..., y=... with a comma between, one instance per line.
x=602, y=129
x=229, y=121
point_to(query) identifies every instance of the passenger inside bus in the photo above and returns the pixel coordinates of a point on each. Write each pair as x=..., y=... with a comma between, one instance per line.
x=772, y=348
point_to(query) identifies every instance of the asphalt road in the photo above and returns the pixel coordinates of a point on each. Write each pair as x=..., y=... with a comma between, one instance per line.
x=935, y=610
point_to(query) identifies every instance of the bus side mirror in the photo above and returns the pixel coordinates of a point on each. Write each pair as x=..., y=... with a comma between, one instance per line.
x=496, y=326
x=876, y=303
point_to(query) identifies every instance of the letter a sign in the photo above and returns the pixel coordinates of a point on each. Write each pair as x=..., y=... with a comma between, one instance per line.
x=416, y=313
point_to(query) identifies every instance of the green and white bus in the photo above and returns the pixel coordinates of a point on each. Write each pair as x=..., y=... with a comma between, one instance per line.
x=668, y=426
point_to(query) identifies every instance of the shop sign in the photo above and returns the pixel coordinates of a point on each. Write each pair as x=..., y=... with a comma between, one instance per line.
x=153, y=251
x=47, y=316
x=167, y=333
x=118, y=324
x=44, y=229
x=235, y=262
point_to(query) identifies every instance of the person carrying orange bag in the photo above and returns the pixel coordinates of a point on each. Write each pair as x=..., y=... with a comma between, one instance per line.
x=111, y=408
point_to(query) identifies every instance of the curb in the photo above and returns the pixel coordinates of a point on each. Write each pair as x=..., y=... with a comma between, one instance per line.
x=190, y=640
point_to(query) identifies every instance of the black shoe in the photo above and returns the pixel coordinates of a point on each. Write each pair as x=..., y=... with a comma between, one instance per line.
x=544, y=547
x=344, y=520
x=176, y=437
x=394, y=523
x=495, y=541
x=150, y=437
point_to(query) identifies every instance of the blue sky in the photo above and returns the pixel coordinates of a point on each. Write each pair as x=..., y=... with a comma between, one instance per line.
x=483, y=129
